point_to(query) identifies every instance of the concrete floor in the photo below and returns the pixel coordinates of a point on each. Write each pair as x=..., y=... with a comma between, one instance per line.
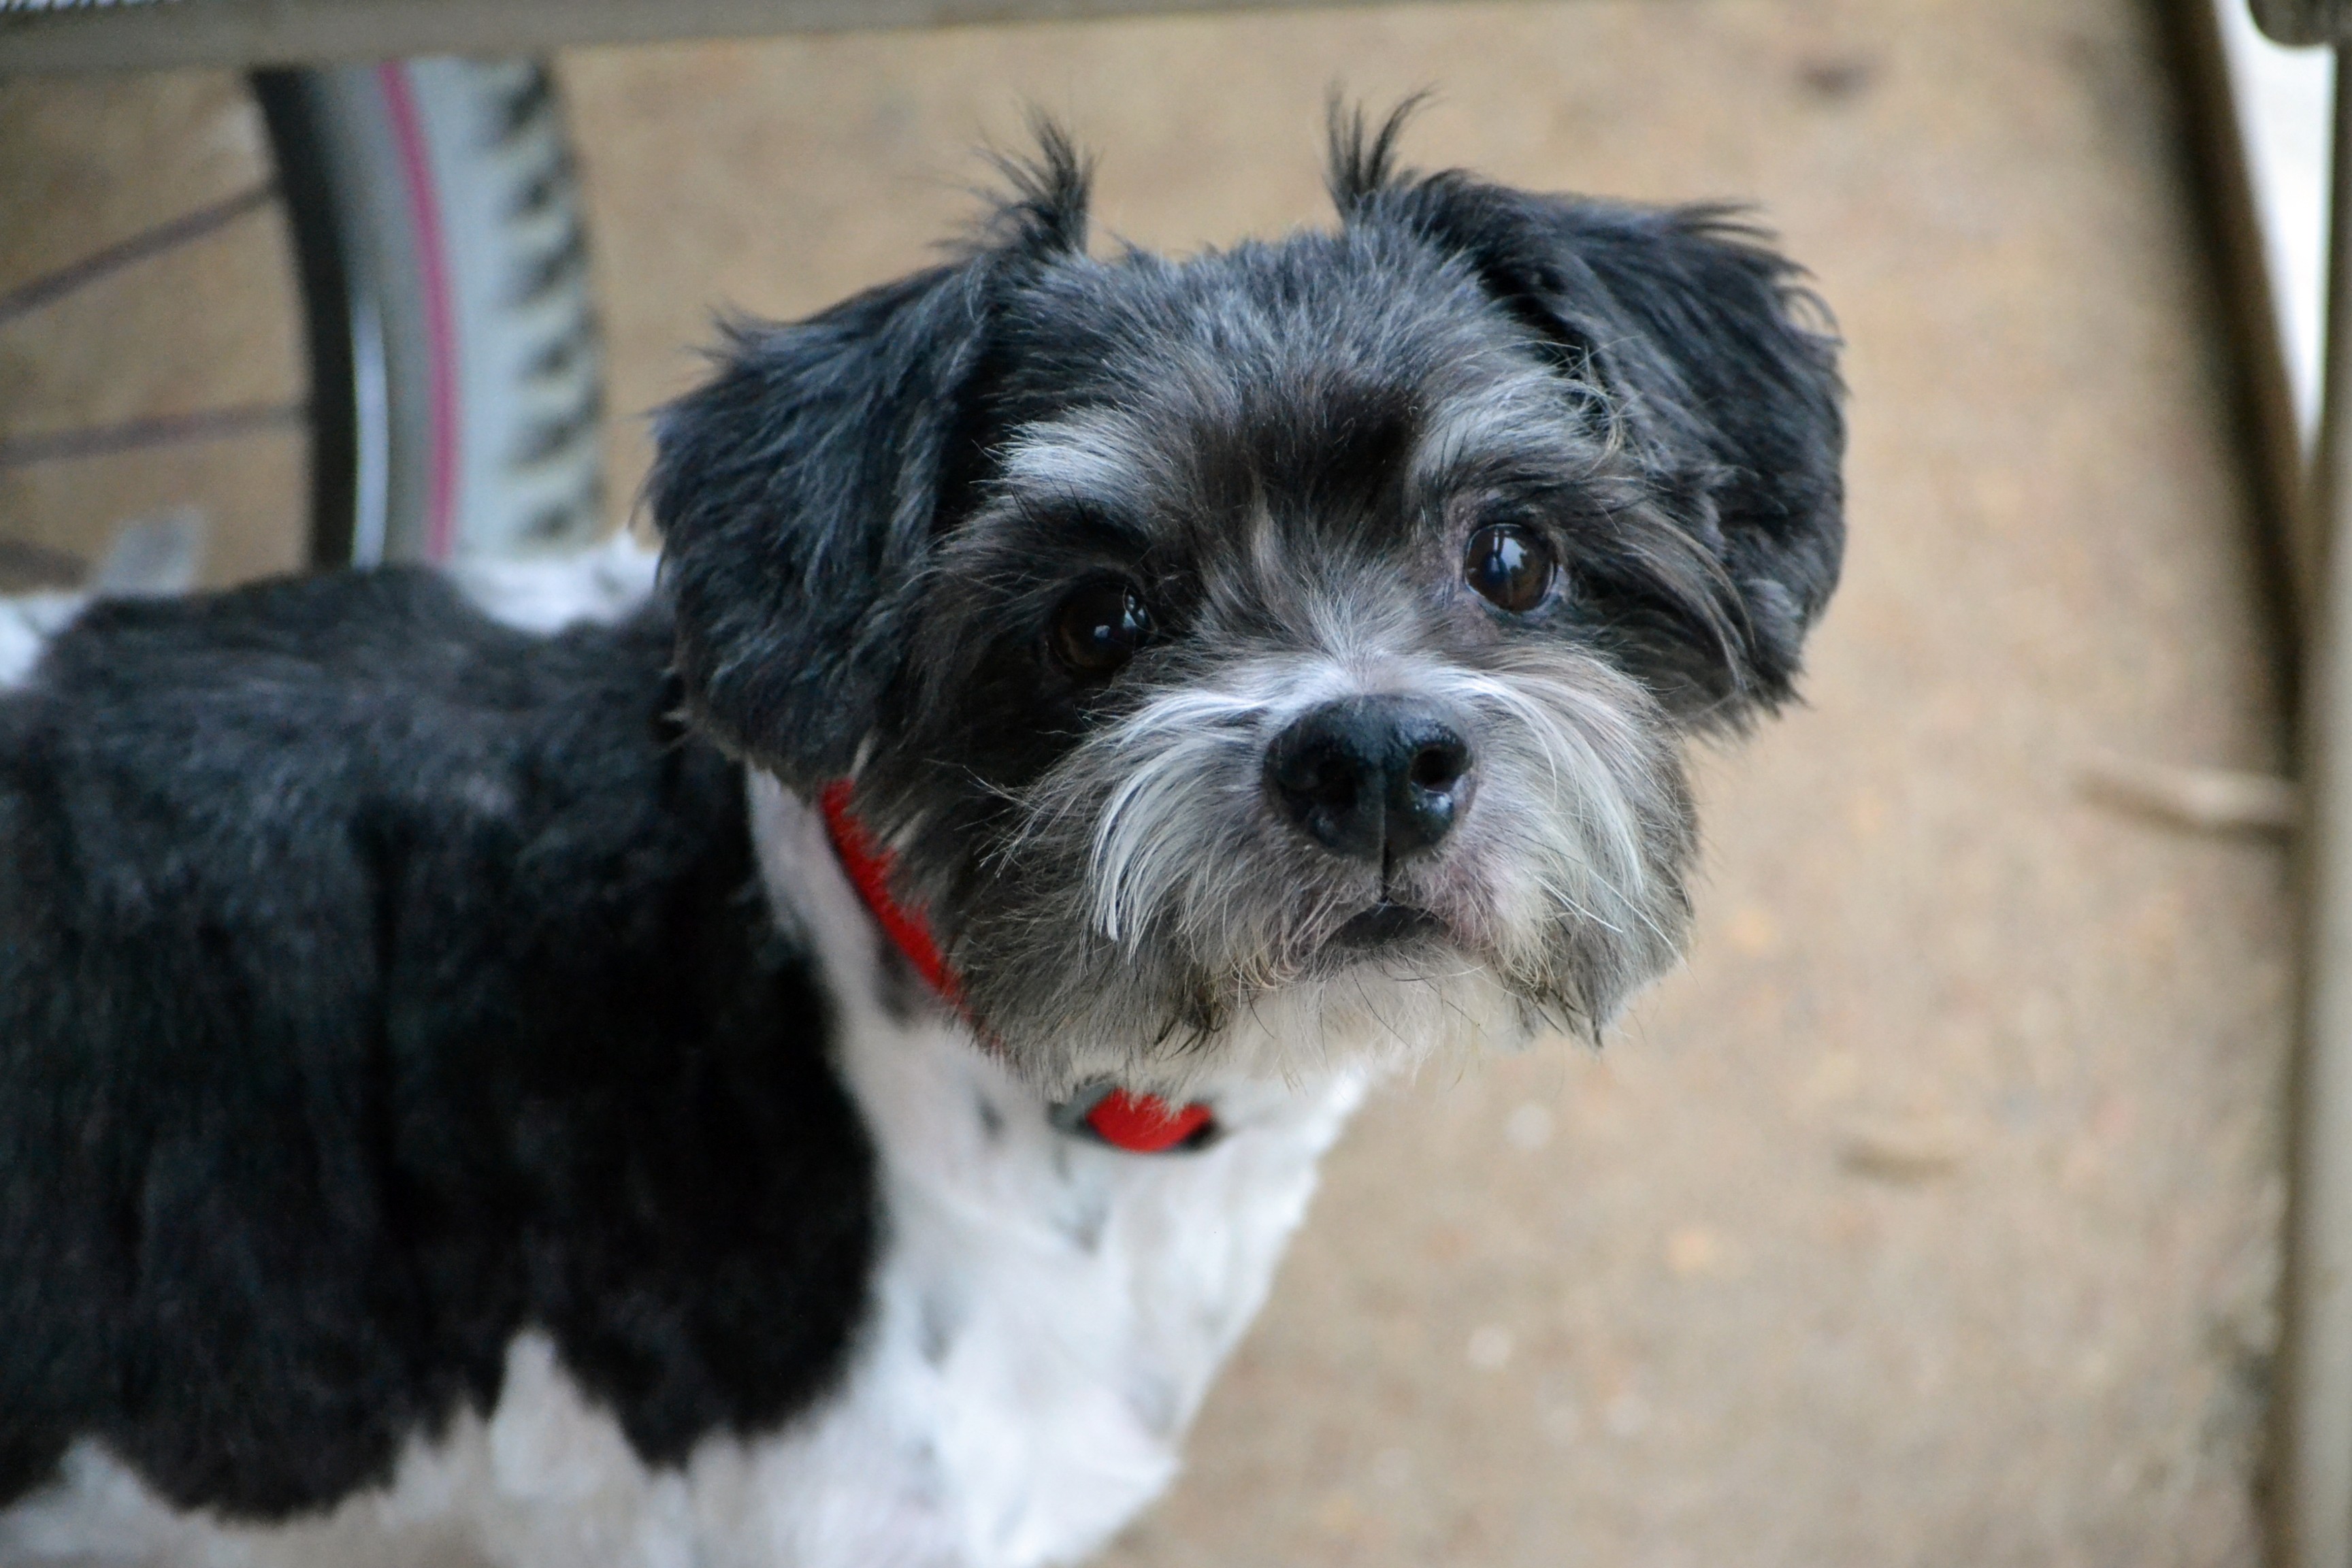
x=1927, y=1216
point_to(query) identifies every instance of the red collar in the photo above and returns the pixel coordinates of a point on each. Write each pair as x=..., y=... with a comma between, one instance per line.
x=1138, y=1123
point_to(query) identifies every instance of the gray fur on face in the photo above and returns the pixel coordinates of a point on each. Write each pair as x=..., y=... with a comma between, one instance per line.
x=1283, y=450
x=1148, y=917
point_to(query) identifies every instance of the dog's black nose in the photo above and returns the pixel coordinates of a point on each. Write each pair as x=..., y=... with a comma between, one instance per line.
x=1371, y=778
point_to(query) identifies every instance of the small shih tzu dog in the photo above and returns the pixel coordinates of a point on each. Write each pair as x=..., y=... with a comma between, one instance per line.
x=812, y=1062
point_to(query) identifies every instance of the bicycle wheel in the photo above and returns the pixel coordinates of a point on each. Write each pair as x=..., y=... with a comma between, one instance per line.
x=452, y=338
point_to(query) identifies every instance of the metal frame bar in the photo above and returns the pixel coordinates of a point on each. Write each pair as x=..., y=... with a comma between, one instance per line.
x=2312, y=1523
x=2282, y=470
x=2307, y=505
x=2315, y=1414
x=2304, y=21
x=75, y=37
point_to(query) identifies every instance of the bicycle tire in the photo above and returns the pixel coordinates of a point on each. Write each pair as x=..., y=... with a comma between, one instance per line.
x=455, y=355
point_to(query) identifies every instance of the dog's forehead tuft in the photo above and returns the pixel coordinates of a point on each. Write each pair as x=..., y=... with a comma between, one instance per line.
x=1310, y=371
x=1259, y=322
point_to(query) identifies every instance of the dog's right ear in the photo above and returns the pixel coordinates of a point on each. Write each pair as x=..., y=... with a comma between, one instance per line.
x=794, y=492
x=799, y=492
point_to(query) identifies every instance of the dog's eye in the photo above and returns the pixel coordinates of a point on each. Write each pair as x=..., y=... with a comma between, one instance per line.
x=1099, y=627
x=1509, y=566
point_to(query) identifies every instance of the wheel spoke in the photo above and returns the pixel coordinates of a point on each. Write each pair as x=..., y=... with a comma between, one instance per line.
x=155, y=241
x=136, y=434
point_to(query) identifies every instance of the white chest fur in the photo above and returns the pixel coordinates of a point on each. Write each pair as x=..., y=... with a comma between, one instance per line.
x=1048, y=1314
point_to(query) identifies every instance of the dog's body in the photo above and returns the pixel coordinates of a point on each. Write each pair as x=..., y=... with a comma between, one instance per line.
x=447, y=1104
x=1002, y=1380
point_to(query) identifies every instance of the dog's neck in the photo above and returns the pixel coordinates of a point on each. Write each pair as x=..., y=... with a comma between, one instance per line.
x=1137, y=1123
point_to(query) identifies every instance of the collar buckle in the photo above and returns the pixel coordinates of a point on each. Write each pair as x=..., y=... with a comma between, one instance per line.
x=1137, y=1123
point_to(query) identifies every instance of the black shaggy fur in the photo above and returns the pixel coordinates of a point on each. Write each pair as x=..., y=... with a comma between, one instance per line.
x=375, y=982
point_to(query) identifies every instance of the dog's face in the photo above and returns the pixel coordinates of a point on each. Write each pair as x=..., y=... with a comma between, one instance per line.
x=1284, y=653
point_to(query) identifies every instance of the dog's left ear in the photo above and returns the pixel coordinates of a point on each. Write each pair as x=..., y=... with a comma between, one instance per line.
x=1717, y=364
x=799, y=492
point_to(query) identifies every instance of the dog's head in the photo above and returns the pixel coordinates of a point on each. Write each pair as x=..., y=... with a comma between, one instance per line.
x=1282, y=652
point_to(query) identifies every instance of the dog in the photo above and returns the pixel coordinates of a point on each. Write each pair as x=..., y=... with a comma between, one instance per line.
x=812, y=1058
